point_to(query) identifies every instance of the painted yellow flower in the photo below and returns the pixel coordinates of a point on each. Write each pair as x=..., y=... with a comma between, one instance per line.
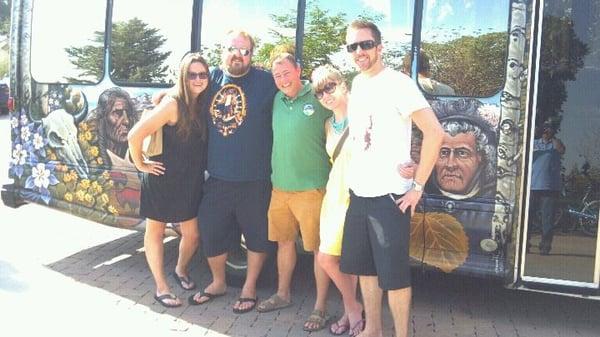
x=93, y=151
x=80, y=195
x=67, y=178
x=113, y=210
x=103, y=199
x=81, y=138
x=88, y=135
x=83, y=126
x=68, y=196
x=99, y=161
x=105, y=175
x=84, y=184
x=96, y=188
x=89, y=199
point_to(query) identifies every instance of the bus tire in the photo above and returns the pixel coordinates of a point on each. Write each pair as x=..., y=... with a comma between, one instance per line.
x=236, y=267
x=10, y=197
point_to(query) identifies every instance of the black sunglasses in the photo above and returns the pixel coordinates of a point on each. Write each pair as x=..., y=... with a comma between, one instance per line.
x=243, y=51
x=364, y=45
x=201, y=75
x=328, y=88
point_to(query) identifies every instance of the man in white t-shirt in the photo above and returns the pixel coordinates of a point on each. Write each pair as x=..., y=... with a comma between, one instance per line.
x=382, y=106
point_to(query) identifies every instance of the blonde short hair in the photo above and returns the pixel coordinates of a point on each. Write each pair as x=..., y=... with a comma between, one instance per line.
x=324, y=74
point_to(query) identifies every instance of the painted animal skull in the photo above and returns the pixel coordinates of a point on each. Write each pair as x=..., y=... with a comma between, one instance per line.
x=61, y=132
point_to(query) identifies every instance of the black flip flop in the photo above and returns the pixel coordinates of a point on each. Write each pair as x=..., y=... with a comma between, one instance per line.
x=182, y=279
x=245, y=300
x=192, y=300
x=161, y=299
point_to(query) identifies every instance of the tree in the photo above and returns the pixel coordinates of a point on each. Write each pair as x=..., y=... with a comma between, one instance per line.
x=5, y=16
x=134, y=50
x=472, y=66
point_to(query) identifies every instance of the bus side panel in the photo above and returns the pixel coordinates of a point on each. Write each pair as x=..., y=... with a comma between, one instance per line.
x=470, y=232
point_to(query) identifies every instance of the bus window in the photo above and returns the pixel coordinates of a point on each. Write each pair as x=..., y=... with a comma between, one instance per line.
x=325, y=27
x=463, y=47
x=270, y=24
x=147, y=44
x=57, y=60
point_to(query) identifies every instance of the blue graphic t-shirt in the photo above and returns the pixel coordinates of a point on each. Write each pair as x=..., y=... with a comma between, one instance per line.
x=546, y=166
x=239, y=126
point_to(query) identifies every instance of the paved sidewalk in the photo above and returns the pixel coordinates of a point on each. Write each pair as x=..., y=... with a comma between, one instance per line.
x=63, y=276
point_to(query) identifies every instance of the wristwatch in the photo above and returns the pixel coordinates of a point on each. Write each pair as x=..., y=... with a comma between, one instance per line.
x=416, y=186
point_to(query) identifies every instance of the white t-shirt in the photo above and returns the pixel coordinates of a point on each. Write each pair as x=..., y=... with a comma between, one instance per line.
x=379, y=112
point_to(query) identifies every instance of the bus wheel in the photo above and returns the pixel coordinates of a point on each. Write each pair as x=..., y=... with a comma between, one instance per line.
x=11, y=197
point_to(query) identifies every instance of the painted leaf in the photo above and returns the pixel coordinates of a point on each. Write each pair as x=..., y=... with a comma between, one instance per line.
x=444, y=237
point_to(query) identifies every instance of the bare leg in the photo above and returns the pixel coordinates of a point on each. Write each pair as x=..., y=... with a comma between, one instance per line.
x=187, y=245
x=322, y=283
x=153, y=246
x=286, y=262
x=218, y=284
x=346, y=284
x=256, y=261
x=399, y=300
x=372, y=297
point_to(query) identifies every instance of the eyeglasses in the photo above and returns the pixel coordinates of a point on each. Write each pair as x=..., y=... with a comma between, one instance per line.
x=364, y=45
x=242, y=51
x=327, y=88
x=201, y=75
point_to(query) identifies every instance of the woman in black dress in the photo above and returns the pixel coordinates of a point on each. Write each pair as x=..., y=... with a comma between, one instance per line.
x=172, y=181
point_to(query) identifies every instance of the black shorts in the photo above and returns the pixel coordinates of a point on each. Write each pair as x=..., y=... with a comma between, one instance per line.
x=376, y=241
x=229, y=209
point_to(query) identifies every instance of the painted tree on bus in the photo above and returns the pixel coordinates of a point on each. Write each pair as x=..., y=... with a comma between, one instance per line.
x=135, y=54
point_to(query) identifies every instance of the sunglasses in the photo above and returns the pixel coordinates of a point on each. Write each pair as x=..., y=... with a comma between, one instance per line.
x=327, y=88
x=242, y=51
x=364, y=45
x=201, y=75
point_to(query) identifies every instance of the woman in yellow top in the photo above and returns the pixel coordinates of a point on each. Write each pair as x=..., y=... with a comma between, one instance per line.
x=332, y=92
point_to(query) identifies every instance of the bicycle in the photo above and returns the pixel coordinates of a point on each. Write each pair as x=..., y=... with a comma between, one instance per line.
x=587, y=213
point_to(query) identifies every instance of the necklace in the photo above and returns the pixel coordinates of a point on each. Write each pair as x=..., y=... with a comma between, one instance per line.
x=338, y=127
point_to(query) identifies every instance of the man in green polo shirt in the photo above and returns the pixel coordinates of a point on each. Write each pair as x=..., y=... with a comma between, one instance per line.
x=300, y=167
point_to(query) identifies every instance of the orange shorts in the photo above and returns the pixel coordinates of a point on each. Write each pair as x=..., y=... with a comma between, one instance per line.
x=293, y=211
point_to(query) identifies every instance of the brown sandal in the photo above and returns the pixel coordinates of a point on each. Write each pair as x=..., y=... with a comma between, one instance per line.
x=318, y=318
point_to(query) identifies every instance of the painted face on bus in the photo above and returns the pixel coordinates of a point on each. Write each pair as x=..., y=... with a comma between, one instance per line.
x=363, y=49
x=287, y=77
x=458, y=163
x=237, y=55
x=118, y=121
x=197, y=78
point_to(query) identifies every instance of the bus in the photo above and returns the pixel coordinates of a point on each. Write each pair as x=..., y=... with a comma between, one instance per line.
x=498, y=74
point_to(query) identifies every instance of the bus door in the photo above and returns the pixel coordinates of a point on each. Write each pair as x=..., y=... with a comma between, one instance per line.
x=462, y=69
x=560, y=244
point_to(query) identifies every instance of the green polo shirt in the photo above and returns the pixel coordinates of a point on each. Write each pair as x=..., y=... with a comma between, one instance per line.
x=299, y=159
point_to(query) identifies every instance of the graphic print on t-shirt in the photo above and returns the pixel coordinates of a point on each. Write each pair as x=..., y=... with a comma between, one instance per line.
x=368, y=131
x=228, y=109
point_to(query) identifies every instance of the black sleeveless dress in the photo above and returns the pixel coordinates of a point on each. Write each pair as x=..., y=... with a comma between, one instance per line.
x=175, y=195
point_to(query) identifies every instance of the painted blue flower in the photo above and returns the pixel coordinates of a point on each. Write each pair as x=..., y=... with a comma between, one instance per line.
x=18, y=159
x=24, y=120
x=41, y=177
x=14, y=122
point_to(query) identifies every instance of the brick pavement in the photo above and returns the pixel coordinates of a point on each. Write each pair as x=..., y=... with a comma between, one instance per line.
x=443, y=305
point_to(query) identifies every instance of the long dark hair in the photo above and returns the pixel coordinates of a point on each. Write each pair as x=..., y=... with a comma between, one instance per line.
x=190, y=109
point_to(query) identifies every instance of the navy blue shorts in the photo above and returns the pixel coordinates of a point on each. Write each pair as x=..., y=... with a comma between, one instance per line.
x=376, y=241
x=229, y=209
